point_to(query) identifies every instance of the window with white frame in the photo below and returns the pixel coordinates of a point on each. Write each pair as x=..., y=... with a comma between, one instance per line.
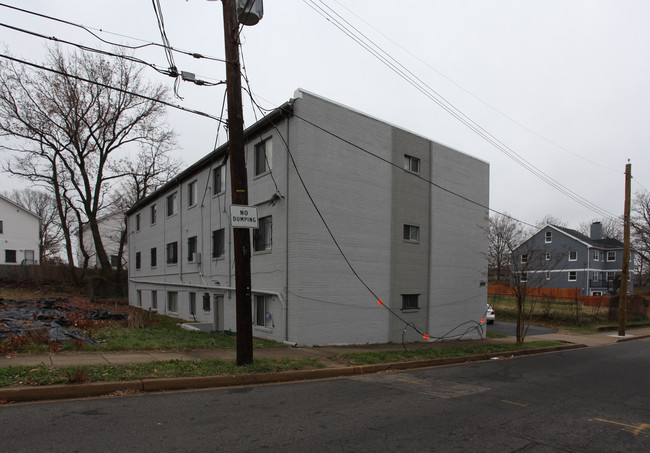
x=153, y=213
x=524, y=277
x=191, y=194
x=611, y=256
x=411, y=233
x=172, y=301
x=548, y=275
x=573, y=255
x=263, y=157
x=218, y=243
x=154, y=299
x=411, y=163
x=172, y=253
x=596, y=276
x=172, y=204
x=524, y=258
x=261, y=310
x=610, y=276
x=218, y=179
x=410, y=301
x=547, y=256
x=548, y=238
x=596, y=255
x=573, y=276
x=263, y=235
x=191, y=248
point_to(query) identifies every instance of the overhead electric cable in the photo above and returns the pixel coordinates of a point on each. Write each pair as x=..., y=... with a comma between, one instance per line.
x=430, y=93
x=487, y=104
x=88, y=30
x=94, y=82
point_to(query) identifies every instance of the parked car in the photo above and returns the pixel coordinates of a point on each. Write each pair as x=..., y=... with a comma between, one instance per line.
x=490, y=315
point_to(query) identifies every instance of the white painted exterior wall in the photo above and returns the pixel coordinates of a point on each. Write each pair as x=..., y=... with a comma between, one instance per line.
x=110, y=229
x=313, y=296
x=20, y=234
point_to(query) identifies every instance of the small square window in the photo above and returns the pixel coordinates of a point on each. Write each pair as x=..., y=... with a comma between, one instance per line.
x=263, y=235
x=263, y=157
x=10, y=256
x=573, y=276
x=573, y=255
x=411, y=233
x=411, y=163
x=410, y=301
x=172, y=204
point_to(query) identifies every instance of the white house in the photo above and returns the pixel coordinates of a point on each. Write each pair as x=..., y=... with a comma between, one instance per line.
x=19, y=234
x=409, y=214
x=111, y=227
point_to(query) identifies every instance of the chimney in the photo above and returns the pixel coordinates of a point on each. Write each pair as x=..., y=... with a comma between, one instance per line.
x=596, y=231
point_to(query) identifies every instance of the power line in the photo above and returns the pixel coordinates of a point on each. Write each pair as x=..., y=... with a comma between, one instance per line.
x=449, y=79
x=94, y=82
x=430, y=93
x=88, y=30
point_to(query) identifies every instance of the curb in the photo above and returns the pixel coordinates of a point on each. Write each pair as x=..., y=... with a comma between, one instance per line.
x=66, y=391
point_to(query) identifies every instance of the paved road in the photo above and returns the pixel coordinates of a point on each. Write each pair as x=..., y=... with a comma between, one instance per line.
x=592, y=399
x=510, y=329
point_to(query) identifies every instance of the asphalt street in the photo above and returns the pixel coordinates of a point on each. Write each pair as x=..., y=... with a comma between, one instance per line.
x=590, y=399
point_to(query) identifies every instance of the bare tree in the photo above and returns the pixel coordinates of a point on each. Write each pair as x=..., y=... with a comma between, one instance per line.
x=612, y=228
x=640, y=226
x=531, y=267
x=549, y=219
x=66, y=133
x=504, y=235
x=43, y=205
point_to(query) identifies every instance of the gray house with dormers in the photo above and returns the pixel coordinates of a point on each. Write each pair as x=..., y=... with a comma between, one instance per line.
x=409, y=214
x=559, y=257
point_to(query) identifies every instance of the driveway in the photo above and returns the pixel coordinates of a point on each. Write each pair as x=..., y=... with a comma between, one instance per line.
x=510, y=329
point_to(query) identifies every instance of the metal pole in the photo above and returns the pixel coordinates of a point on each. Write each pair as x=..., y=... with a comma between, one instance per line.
x=239, y=185
x=625, y=270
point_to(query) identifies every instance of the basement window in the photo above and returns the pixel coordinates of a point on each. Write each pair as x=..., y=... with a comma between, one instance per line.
x=410, y=301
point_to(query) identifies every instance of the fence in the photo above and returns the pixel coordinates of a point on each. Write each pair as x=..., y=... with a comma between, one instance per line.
x=34, y=273
x=570, y=294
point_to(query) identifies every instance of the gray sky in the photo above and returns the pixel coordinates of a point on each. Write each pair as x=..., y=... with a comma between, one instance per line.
x=563, y=84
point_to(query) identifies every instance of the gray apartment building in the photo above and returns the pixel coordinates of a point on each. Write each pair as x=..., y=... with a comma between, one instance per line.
x=409, y=214
x=558, y=257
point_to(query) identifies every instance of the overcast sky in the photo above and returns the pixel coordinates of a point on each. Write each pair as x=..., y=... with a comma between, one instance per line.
x=563, y=84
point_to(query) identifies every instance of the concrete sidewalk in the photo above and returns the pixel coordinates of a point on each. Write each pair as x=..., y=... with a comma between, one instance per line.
x=332, y=369
x=73, y=358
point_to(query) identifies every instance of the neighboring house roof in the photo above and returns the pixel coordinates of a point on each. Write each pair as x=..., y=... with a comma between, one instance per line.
x=607, y=243
x=20, y=207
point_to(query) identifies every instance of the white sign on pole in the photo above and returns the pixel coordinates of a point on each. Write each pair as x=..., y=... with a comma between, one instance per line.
x=243, y=216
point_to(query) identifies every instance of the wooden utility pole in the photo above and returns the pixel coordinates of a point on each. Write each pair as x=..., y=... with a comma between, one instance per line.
x=239, y=184
x=625, y=270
